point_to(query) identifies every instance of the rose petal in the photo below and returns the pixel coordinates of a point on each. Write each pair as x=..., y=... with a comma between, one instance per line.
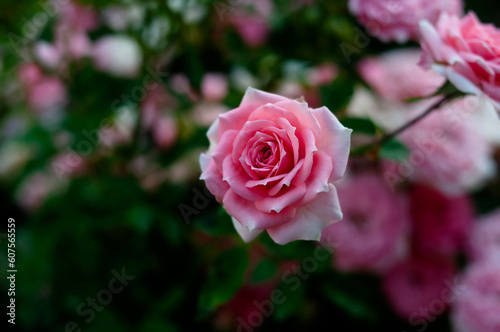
x=245, y=212
x=246, y=234
x=335, y=140
x=310, y=221
x=293, y=195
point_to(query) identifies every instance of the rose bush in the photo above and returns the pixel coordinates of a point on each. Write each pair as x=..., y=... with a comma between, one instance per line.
x=272, y=162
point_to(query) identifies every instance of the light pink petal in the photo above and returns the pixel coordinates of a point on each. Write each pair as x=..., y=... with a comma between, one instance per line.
x=318, y=180
x=245, y=212
x=430, y=38
x=460, y=82
x=246, y=234
x=302, y=112
x=256, y=98
x=293, y=195
x=212, y=135
x=335, y=141
x=310, y=220
x=224, y=147
x=213, y=180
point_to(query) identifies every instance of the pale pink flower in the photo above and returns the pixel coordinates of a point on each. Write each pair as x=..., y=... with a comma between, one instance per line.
x=447, y=152
x=477, y=307
x=484, y=241
x=251, y=21
x=396, y=75
x=214, y=87
x=466, y=52
x=165, y=131
x=372, y=234
x=272, y=162
x=47, y=94
x=391, y=20
x=322, y=74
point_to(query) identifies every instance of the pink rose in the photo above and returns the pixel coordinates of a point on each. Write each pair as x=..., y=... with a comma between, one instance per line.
x=165, y=131
x=47, y=94
x=484, y=242
x=466, y=52
x=477, y=305
x=447, y=152
x=414, y=285
x=372, y=234
x=397, y=77
x=440, y=223
x=214, y=87
x=391, y=20
x=272, y=163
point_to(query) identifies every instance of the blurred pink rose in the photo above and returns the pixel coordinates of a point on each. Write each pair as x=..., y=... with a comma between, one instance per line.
x=466, y=52
x=35, y=189
x=447, y=152
x=322, y=74
x=47, y=94
x=484, y=241
x=272, y=162
x=214, y=87
x=165, y=131
x=396, y=75
x=157, y=101
x=440, y=223
x=29, y=74
x=251, y=21
x=372, y=234
x=118, y=55
x=477, y=308
x=413, y=285
x=76, y=15
x=391, y=20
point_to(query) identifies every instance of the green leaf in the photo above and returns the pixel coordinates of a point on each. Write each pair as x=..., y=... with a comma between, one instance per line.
x=225, y=277
x=394, y=150
x=265, y=270
x=360, y=125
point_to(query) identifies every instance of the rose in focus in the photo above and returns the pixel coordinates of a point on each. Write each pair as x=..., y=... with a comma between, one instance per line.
x=272, y=163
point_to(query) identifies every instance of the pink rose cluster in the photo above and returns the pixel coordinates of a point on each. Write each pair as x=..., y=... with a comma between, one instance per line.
x=272, y=163
x=410, y=238
x=390, y=20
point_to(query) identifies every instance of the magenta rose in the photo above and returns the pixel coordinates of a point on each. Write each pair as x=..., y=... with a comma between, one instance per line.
x=272, y=163
x=465, y=51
